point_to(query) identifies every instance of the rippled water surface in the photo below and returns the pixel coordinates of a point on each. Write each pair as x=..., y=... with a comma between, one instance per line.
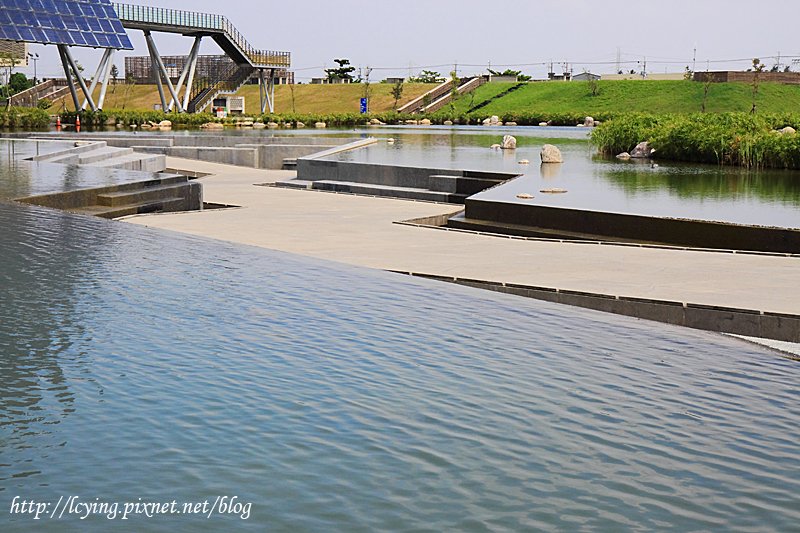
x=141, y=364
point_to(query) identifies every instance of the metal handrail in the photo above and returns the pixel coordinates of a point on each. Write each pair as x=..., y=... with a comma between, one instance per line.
x=201, y=21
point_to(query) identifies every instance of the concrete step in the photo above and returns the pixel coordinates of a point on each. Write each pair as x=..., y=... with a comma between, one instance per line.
x=294, y=184
x=389, y=191
x=145, y=194
x=102, y=154
x=135, y=161
x=460, y=184
x=165, y=204
x=289, y=163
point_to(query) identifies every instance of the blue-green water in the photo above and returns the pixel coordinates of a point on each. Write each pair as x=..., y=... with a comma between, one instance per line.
x=137, y=363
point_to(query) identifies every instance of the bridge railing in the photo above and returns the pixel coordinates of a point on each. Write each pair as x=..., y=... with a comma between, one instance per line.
x=200, y=21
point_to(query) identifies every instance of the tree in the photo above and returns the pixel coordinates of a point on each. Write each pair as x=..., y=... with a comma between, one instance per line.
x=508, y=72
x=114, y=74
x=343, y=72
x=758, y=68
x=397, y=92
x=427, y=76
x=454, y=83
x=19, y=82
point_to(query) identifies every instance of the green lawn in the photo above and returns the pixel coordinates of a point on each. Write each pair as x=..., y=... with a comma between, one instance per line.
x=631, y=95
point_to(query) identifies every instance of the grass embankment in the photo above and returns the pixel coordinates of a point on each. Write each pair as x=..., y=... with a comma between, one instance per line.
x=308, y=99
x=644, y=96
x=722, y=138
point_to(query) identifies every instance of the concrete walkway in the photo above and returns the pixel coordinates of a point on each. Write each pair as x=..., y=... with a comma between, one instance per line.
x=361, y=231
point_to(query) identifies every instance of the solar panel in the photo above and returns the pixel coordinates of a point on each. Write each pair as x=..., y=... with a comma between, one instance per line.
x=72, y=22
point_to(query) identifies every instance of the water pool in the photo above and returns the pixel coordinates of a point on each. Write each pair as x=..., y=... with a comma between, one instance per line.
x=701, y=192
x=143, y=364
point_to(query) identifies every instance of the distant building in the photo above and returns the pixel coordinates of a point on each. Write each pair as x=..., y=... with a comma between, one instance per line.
x=585, y=76
x=789, y=78
x=566, y=76
x=394, y=81
x=140, y=69
x=503, y=79
x=13, y=54
x=326, y=81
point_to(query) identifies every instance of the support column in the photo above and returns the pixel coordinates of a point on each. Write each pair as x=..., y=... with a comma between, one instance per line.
x=101, y=68
x=106, y=75
x=68, y=74
x=160, y=64
x=266, y=90
x=190, y=80
x=190, y=61
x=80, y=78
x=153, y=65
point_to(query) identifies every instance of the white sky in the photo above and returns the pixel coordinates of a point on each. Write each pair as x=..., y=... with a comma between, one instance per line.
x=395, y=37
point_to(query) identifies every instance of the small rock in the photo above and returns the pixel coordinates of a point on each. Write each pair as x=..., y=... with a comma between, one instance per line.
x=146, y=126
x=543, y=124
x=495, y=147
x=411, y=122
x=525, y=196
x=272, y=125
x=554, y=190
x=597, y=123
x=247, y=124
x=165, y=124
x=320, y=125
x=448, y=122
x=624, y=156
x=551, y=154
x=259, y=125
x=120, y=125
x=788, y=130
x=588, y=122
x=133, y=126
x=390, y=140
x=642, y=150
x=425, y=122
x=580, y=125
x=299, y=125
x=524, y=162
x=509, y=143
x=511, y=124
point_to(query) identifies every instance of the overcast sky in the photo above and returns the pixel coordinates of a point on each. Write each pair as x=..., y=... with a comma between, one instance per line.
x=398, y=37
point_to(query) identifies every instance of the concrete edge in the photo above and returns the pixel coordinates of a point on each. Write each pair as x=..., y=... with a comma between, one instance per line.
x=431, y=222
x=738, y=321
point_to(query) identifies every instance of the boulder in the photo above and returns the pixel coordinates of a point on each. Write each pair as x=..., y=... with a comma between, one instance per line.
x=588, y=122
x=259, y=125
x=212, y=126
x=165, y=124
x=272, y=125
x=788, y=130
x=624, y=156
x=247, y=124
x=320, y=125
x=411, y=122
x=376, y=122
x=495, y=147
x=509, y=143
x=542, y=124
x=425, y=122
x=551, y=154
x=146, y=126
x=299, y=125
x=511, y=124
x=642, y=150
x=448, y=122
x=494, y=120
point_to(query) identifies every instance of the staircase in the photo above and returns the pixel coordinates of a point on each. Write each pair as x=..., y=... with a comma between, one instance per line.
x=203, y=96
x=441, y=95
x=411, y=183
x=99, y=154
x=50, y=89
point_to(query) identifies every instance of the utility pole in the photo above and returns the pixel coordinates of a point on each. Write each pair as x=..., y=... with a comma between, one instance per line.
x=694, y=57
x=619, y=59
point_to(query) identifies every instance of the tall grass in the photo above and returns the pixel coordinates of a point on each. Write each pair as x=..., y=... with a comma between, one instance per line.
x=738, y=139
x=23, y=117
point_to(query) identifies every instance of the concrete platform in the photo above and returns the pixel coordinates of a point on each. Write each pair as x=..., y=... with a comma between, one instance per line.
x=362, y=231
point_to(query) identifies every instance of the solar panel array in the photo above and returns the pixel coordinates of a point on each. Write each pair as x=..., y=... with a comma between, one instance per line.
x=91, y=23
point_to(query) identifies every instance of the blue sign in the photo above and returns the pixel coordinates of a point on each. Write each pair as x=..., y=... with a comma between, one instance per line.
x=364, y=106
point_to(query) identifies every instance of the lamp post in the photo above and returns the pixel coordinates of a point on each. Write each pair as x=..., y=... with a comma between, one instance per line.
x=34, y=58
